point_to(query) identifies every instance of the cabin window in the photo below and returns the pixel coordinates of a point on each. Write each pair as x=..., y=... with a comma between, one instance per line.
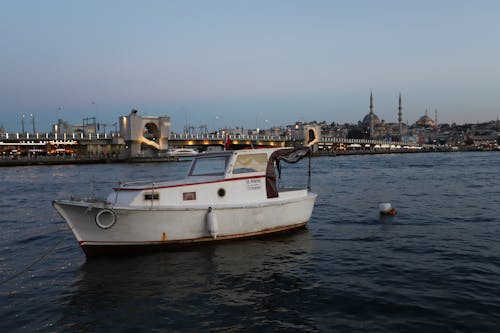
x=152, y=196
x=209, y=166
x=188, y=196
x=250, y=163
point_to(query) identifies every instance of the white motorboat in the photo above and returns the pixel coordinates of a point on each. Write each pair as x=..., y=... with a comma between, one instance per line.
x=182, y=152
x=225, y=195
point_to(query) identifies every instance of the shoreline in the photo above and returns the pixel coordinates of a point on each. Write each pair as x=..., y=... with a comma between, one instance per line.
x=41, y=161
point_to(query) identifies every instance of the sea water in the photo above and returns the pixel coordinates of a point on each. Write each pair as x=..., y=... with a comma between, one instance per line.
x=433, y=267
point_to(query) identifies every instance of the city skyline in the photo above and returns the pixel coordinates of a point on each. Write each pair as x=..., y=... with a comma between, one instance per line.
x=250, y=64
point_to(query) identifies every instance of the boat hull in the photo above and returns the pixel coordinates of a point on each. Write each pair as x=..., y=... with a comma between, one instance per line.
x=96, y=249
x=100, y=228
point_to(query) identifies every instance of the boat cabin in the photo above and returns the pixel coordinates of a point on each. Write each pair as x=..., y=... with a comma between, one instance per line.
x=228, y=177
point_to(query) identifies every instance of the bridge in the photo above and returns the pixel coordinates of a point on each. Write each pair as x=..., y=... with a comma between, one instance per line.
x=238, y=140
x=325, y=142
x=109, y=143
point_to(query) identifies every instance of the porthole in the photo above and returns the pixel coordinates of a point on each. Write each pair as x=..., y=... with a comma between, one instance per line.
x=221, y=192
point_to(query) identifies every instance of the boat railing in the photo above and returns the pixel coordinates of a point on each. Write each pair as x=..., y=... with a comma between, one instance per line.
x=136, y=183
x=94, y=185
x=148, y=183
x=289, y=189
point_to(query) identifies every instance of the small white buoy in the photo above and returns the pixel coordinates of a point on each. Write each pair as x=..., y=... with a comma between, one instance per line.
x=212, y=223
x=386, y=209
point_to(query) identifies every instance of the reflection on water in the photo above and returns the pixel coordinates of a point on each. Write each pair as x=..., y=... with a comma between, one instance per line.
x=188, y=289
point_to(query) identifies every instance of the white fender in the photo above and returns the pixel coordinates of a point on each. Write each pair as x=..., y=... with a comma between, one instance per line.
x=212, y=222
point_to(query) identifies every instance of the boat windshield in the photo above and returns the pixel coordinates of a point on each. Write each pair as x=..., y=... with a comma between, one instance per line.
x=250, y=163
x=209, y=166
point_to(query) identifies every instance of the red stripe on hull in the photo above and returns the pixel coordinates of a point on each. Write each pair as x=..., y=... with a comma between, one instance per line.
x=186, y=184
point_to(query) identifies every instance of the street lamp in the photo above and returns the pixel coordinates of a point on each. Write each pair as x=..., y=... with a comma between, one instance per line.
x=33, y=122
x=217, y=125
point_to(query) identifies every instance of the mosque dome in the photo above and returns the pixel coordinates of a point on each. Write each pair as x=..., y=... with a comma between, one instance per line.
x=367, y=120
x=425, y=121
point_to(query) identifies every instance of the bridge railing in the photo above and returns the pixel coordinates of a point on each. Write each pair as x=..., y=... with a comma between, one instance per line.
x=79, y=136
x=366, y=141
x=232, y=136
x=103, y=136
x=58, y=136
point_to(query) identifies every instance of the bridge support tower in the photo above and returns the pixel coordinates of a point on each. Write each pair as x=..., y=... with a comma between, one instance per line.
x=144, y=136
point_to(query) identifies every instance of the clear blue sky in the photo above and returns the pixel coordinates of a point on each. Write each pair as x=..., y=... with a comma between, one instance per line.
x=240, y=63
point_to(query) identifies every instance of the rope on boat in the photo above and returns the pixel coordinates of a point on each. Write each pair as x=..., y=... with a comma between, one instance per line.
x=25, y=269
x=53, y=248
x=36, y=261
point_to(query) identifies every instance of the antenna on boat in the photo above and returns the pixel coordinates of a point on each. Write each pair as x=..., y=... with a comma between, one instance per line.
x=309, y=171
x=312, y=140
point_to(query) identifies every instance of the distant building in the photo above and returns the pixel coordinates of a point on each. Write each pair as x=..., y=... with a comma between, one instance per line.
x=400, y=116
x=426, y=121
x=371, y=120
x=144, y=135
x=88, y=126
x=374, y=128
x=306, y=132
x=425, y=129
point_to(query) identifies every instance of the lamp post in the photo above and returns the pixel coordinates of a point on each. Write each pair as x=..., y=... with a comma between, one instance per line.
x=217, y=124
x=22, y=122
x=33, y=122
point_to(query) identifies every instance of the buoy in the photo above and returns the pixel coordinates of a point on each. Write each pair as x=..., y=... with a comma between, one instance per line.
x=386, y=209
x=212, y=223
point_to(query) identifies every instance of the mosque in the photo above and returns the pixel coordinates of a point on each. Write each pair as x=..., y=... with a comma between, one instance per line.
x=421, y=131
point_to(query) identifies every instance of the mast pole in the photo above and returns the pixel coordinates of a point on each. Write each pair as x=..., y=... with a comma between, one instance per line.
x=309, y=172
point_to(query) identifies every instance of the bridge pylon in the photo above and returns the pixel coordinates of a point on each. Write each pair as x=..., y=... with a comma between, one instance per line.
x=144, y=136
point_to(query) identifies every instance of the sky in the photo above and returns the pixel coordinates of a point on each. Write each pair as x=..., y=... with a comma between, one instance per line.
x=248, y=63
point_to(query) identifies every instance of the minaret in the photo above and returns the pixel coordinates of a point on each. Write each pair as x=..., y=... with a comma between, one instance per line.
x=371, y=102
x=400, y=117
x=436, y=118
x=372, y=118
